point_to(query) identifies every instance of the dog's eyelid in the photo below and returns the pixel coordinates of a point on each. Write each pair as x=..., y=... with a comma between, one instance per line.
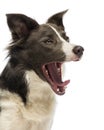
x=49, y=41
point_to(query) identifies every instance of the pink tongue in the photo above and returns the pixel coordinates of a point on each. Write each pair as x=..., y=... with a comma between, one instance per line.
x=56, y=76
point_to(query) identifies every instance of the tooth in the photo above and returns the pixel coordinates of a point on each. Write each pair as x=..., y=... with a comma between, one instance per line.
x=58, y=70
x=46, y=72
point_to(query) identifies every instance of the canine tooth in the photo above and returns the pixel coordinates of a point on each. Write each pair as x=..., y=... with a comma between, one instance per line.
x=58, y=90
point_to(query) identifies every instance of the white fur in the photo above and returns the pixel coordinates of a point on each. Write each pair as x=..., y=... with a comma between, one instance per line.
x=37, y=114
x=66, y=47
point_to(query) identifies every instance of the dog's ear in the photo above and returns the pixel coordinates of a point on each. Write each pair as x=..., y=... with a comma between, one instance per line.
x=57, y=19
x=20, y=25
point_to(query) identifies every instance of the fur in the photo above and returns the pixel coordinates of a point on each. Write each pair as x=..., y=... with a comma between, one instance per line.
x=27, y=102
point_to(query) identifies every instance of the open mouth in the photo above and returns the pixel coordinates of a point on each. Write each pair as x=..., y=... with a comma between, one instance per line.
x=53, y=74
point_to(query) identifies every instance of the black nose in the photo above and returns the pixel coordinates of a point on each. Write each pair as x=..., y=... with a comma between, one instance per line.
x=78, y=50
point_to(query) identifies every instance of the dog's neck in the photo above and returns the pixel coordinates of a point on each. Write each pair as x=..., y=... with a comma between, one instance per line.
x=40, y=97
x=37, y=87
x=26, y=83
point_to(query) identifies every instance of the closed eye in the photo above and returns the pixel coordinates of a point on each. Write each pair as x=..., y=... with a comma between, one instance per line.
x=49, y=41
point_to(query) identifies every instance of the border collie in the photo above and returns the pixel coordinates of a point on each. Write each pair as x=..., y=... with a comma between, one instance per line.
x=33, y=75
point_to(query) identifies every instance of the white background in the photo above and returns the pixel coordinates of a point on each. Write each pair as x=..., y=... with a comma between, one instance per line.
x=82, y=107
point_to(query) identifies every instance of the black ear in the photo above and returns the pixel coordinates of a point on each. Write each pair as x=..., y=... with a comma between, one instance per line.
x=20, y=25
x=57, y=19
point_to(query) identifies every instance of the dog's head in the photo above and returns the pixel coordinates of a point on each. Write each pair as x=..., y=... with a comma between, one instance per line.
x=42, y=48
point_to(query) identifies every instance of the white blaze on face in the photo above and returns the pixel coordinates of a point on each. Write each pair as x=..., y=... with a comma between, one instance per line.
x=66, y=47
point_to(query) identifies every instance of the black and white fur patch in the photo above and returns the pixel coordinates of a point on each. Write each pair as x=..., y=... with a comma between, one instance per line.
x=27, y=102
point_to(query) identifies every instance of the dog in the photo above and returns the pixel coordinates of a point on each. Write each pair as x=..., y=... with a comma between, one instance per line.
x=33, y=74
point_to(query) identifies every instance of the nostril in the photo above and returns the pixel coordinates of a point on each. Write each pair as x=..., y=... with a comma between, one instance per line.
x=78, y=50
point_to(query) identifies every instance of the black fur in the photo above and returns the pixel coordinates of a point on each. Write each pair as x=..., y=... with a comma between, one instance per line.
x=13, y=80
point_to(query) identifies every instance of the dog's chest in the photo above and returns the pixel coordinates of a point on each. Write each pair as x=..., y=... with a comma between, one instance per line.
x=40, y=102
x=41, y=99
x=37, y=114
